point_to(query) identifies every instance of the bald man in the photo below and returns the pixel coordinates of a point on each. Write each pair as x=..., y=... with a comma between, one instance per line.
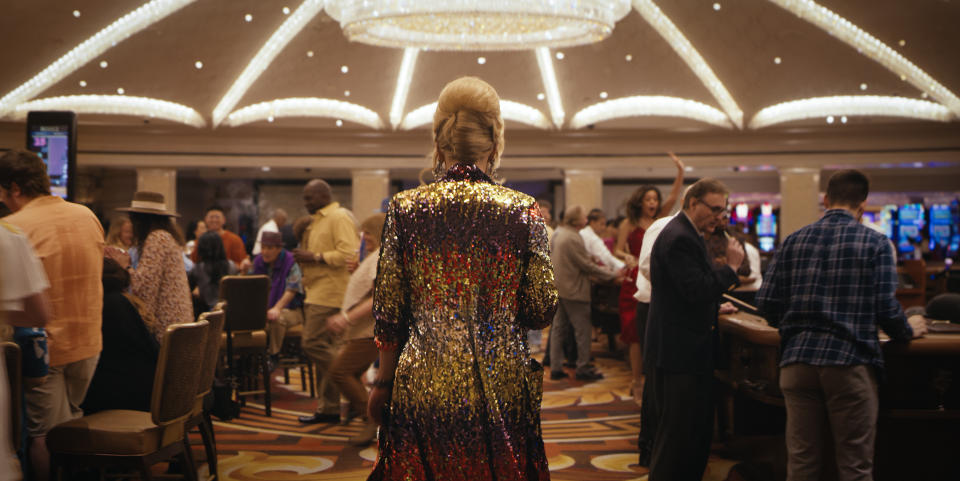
x=329, y=242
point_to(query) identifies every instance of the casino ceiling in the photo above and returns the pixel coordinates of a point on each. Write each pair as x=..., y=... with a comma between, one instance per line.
x=669, y=66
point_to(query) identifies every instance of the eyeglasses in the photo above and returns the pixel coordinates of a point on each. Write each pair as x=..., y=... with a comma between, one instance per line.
x=714, y=209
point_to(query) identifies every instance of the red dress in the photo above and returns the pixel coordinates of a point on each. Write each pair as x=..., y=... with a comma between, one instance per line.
x=628, y=305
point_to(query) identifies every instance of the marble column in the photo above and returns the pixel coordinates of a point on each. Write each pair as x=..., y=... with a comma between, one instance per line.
x=583, y=187
x=368, y=189
x=799, y=199
x=163, y=181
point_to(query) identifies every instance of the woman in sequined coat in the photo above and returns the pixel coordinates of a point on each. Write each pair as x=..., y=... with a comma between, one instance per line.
x=464, y=273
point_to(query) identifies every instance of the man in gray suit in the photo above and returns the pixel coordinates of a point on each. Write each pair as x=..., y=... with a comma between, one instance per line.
x=572, y=268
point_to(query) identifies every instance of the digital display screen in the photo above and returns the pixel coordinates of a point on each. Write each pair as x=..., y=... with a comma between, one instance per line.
x=767, y=225
x=941, y=225
x=910, y=226
x=52, y=144
x=766, y=244
x=886, y=219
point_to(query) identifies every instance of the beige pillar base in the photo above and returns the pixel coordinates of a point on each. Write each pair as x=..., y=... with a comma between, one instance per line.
x=163, y=181
x=369, y=188
x=583, y=187
x=799, y=199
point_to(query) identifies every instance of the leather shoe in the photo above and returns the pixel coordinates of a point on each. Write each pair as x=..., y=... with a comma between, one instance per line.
x=317, y=418
x=588, y=376
x=557, y=375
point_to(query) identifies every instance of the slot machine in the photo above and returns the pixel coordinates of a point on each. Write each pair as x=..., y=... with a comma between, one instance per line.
x=766, y=228
x=910, y=223
x=741, y=218
x=53, y=136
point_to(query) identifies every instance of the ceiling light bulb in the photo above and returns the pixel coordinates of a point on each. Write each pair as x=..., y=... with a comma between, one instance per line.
x=843, y=119
x=560, y=55
x=83, y=83
x=481, y=60
x=120, y=90
x=924, y=95
x=863, y=86
x=903, y=42
x=628, y=58
x=716, y=7
x=903, y=77
x=103, y=64
x=346, y=93
x=265, y=168
x=339, y=123
x=540, y=96
x=270, y=119
x=248, y=17
x=286, y=10
x=198, y=64
x=829, y=119
x=777, y=60
x=76, y=14
x=344, y=69
x=603, y=95
x=310, y=53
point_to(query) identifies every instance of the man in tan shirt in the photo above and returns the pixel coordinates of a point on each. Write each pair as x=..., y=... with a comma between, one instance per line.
x=68, y=239
x=329, y=241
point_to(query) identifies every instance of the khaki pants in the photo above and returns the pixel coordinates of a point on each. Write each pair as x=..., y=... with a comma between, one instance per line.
x=321, y=346
x=837, y=401
x=58, y=399
x=277, y=330
x=354, y=359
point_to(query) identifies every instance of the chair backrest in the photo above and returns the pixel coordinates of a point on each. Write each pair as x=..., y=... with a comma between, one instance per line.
x=208, y=368
x=246, y=298
x=177, y=376
x=11, y=354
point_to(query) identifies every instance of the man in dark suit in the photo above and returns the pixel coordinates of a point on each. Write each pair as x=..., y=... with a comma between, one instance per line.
x=681, y=332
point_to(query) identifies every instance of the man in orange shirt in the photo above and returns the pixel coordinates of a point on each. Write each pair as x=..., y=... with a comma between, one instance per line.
x=232, y=243
x=68, y=239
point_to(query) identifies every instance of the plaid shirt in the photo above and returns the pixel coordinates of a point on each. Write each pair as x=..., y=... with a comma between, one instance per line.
x=828, y=287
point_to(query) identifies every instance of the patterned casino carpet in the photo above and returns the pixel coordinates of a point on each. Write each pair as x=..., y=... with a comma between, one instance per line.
x=589, y=430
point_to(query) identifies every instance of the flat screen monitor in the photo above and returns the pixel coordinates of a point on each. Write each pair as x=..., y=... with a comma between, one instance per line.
x=53, y=136
x=910, y=224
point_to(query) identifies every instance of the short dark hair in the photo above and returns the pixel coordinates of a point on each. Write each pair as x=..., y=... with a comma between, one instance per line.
x=702, y=187
x=595, y=214
x=27, y=170
x=848, y=188
x=214, y=207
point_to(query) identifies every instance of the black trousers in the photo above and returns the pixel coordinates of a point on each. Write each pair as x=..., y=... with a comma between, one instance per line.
x=648, y=416
x=683, y=404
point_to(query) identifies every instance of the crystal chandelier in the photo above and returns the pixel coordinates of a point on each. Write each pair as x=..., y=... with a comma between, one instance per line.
x=477, y=24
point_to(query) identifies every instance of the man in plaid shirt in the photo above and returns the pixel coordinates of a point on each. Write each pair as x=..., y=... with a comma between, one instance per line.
x=829, y=286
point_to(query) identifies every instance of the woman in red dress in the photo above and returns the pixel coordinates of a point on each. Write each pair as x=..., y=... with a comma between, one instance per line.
x=643, y=207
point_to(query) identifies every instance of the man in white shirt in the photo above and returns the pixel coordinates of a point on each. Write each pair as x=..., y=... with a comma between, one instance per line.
x=273, y=225
x=596, y=224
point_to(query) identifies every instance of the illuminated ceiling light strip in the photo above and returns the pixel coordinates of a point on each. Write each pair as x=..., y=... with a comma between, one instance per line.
x=305, y=107
x=269, y=51
x=850, y=105
x=116, y=32
x=404, y=78
x=510, y=110
x=545, y=62
x=115, y=105
x=524, y=114
x=648, y=105
x=679, y=43
x=870, y=46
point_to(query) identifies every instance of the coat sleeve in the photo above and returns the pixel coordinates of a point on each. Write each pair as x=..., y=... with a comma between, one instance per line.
x=690, y=279
x=537, y=297
x=391, y=299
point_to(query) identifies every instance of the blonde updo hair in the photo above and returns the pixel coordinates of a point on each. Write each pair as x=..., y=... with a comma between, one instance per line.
x=467, y=124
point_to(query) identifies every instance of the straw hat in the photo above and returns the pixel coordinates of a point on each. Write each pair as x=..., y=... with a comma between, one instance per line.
x=149, y=203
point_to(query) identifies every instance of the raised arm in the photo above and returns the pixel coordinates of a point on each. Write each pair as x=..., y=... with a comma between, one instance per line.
x=667, y=205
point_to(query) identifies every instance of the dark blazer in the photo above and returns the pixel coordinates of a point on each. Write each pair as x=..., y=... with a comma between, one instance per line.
x=681, y=327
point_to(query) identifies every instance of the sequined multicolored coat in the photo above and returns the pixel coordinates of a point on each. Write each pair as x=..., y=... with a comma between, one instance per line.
x=464, y=272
